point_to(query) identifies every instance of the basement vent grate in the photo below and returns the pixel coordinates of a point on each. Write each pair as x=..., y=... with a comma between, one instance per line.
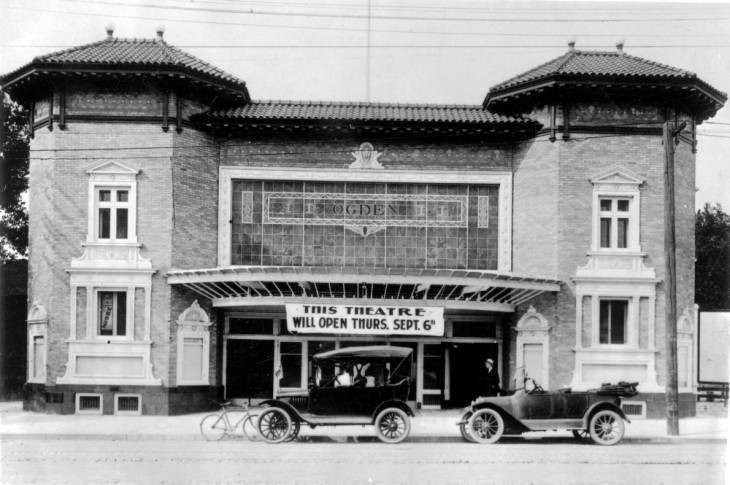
x=128, y=404
x=88, y=403
x=54, y=397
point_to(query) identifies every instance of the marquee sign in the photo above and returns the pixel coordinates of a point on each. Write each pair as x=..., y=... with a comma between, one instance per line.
x=365, y=319
x=365, y=213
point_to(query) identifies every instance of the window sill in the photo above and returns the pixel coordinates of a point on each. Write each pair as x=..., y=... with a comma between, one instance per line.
x=616, y=252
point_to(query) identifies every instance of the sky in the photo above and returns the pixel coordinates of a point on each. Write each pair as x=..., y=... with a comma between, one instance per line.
x=421, y=51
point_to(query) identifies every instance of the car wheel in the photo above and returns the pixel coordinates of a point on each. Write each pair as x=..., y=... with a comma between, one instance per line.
x=486, y=426
x=274, y=425
x=606, y=427
x=581, y=434
x=463, y=427
x=294, y=431
x=392, y=425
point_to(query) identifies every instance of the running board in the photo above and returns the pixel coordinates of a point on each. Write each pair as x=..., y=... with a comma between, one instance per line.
x=336, y=420
x=548, y=424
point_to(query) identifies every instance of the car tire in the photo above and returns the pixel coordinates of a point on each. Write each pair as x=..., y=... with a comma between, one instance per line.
x=274, y=425
x=463, y=427
x=606, y=427
x=486, y=426
x=392, y=425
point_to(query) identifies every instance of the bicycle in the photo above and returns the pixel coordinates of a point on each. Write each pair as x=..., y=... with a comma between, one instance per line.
x=214, y=427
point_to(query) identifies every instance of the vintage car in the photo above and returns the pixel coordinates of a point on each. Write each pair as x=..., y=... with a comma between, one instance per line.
x=351, y=386
x=594, y=414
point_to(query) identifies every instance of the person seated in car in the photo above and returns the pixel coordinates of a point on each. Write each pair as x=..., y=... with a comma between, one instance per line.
x=359, y=379
x=343, y=379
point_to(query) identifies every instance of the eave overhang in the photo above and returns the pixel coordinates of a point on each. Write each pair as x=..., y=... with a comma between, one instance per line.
x=234, y=286
x=696, y=94
x=37, y=74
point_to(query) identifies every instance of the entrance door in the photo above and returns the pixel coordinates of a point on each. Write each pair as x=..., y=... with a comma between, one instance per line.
x=466, y=364
x=249, y=369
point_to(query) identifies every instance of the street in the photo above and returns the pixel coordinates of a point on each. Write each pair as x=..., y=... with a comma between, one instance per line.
x=513, y=461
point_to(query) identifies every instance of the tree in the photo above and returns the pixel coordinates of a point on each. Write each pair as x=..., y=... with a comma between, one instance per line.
x=14, y=139
x=712, y=250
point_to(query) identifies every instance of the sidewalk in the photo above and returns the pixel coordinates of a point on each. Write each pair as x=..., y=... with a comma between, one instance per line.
x=427, y=425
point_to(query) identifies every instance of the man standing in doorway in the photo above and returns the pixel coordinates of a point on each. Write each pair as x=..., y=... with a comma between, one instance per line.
x=489, y=385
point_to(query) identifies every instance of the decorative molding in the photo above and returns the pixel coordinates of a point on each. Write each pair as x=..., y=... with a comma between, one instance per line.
x=366, y=157
x=246, y=207
x=616, y=178
x=112, y=168
x=194, y=316
x=194, y=325
x=685, y=323
x=532, y=321
x=37, y=314
x=533, y=329
x=132, y=363
x=109, y=256
x=617, y=364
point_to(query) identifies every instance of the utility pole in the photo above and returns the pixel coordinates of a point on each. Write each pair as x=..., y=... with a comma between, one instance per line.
x=670, y=248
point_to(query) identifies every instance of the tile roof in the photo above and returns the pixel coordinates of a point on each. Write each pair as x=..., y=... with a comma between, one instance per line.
x=363, y=112
x=597, y=63
x=131, y=53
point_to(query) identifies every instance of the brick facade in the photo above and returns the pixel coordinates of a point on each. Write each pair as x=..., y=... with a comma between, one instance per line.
x=172, y=150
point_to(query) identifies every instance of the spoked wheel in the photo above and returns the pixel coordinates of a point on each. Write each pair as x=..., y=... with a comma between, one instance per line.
x=486, y=426
x=606, y=427
x=294, y=431
x=392, y=425
x=274, y=425
x=249, y=428
x=213, y=427
x=581, y=434
x=463, y=427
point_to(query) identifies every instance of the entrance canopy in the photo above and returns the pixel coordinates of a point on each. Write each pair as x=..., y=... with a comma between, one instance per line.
x=235, y=286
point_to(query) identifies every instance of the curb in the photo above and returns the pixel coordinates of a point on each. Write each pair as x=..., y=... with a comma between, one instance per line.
x=346, y=439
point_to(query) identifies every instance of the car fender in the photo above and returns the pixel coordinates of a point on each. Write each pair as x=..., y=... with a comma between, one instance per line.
x=600, y=406
x=276, y=403
x=394, y=403
x=512, y=424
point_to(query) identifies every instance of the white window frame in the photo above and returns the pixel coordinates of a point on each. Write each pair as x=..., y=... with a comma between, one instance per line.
x=303, y=368
x=113, y=204
x=37, y=327
x=629, y=325
x=204, y=371
x=613, y=215
x=112, y=176
x=617, y=184
x=37, y=331
x=129, y=314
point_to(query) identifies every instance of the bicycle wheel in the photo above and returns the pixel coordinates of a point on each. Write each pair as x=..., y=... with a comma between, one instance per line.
x=249, y=428
x=213, y=427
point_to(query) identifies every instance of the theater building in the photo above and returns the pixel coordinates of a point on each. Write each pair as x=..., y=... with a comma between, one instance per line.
x=187, y=241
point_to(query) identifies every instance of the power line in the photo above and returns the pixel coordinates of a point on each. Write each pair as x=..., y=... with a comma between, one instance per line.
x=337, y=29
x=451, y=7
x=404, y=17
x=424, y=46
